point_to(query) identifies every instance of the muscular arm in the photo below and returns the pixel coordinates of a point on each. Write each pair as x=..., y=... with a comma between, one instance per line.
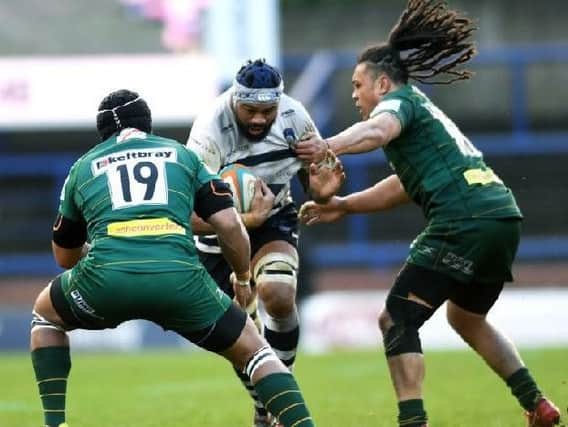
x=233, y=239
x=200, y=227
x=67, y=258
x=385, y=194
x=367, y=135
x=69, y=241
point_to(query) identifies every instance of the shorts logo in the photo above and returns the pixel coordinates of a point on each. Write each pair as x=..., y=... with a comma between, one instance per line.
x=82, y=304
x=458, y=263
x=428, y=251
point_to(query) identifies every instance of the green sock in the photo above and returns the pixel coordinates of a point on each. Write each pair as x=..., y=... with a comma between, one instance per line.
x=52, y=366
x=524, y=388
x=282, y=397
x=411, y=413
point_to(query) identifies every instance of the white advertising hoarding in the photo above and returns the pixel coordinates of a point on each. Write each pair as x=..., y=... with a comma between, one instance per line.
x=337, y=320
x=48, y=92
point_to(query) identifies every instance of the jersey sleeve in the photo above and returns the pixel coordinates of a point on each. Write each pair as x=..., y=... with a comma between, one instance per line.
x=212, y=194
x=202, y=140
x=304, y=121
x=67, y=204
x=401, y=107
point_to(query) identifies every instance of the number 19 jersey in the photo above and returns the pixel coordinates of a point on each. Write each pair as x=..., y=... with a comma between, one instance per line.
x=135, y=191
x=438, y=166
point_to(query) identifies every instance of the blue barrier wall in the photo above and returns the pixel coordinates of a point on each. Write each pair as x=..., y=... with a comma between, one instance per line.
x=48, y=171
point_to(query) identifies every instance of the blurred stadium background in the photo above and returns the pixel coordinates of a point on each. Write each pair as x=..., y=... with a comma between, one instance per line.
x=59, y=58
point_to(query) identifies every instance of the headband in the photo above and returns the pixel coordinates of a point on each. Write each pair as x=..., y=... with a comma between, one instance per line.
x=257, y=95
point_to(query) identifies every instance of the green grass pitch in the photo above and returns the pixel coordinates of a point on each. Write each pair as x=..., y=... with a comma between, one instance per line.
x=347, y=389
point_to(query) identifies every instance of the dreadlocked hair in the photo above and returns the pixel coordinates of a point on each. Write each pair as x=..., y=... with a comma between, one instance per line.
x=428, y=41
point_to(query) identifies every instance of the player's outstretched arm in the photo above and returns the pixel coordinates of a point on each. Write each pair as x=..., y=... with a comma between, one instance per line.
x=386, y=194
x=361, y=137
x=367, y=135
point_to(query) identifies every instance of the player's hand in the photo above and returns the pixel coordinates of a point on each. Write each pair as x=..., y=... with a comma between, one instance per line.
x=311, y=148
x=312, y=213
x=241, y=288
x=326, y=177
x=261, y=205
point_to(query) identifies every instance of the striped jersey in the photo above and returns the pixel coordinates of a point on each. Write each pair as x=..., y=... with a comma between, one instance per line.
x=216, y=138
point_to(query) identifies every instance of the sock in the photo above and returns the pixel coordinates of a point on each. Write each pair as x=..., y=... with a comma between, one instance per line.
x=411, y=413
x=283, y=336
x=282, y=397
x=258, y=406
x=52, y=366
x=524, y=388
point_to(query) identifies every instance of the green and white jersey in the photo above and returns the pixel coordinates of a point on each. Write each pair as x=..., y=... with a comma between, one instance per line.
x=438, y=166
x=135, y=192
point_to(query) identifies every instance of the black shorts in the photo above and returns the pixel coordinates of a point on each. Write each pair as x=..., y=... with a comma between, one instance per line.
x=435, y=288
x=281, y=226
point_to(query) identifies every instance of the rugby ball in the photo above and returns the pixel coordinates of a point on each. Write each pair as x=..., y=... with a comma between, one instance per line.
x=241, y=180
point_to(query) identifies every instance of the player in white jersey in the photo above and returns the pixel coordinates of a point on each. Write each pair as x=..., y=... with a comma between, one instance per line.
x=255, y=124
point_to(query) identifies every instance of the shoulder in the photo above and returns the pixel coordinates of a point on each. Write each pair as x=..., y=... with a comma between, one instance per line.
x=215, y=117
x=293, y=113
x=292, y=108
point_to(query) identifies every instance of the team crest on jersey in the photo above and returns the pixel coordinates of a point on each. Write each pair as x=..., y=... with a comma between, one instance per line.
x=288, y=112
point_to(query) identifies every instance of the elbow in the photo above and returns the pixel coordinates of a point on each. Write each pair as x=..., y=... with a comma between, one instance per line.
x=65, y=263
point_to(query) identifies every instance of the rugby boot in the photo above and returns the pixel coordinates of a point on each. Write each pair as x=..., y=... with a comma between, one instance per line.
x=545, y=414
x=265, y=421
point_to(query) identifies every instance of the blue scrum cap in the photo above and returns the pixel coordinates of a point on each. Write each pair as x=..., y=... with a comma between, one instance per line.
x=258, y=83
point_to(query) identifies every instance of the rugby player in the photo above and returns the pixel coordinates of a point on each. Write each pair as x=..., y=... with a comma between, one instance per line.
x=465, y=253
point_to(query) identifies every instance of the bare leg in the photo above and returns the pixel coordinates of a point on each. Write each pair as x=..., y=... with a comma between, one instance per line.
x=406, y=370
x=407, y=375
x=492, y=345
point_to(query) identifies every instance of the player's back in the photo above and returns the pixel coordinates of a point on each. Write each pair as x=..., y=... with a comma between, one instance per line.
x=136, y=193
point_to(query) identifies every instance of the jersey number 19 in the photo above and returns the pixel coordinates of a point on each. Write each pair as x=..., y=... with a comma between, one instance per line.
x=137, y=183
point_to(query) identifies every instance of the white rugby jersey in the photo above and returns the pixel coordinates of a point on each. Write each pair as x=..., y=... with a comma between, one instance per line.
x=216, y=138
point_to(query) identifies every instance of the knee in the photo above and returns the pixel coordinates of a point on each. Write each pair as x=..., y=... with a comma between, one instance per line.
x=399, y=322
x=385, y=321
x=278, y=299
x=275, y=275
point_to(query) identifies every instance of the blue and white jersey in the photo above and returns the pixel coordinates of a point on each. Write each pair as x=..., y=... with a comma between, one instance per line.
x=216, y=138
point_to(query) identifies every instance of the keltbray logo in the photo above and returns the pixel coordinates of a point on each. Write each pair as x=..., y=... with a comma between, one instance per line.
x=100, y=164
x=144, y=227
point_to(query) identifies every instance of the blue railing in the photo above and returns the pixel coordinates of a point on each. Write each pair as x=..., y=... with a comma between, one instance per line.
x=357, y=250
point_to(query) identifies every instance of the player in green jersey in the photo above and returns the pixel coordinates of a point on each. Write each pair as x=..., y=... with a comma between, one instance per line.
x=465, y=253
x=131, y=197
